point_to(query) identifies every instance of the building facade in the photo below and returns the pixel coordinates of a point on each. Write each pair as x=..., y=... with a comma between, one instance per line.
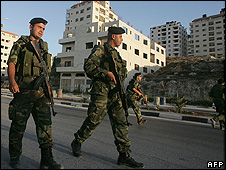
x=208, y=35
x=7, y=40
x=86, y=25
x=173, y=36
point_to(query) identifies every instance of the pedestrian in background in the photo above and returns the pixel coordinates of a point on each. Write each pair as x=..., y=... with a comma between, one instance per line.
x=134, y=94
x=22, y=77
x=98, y=68
x=218, y=94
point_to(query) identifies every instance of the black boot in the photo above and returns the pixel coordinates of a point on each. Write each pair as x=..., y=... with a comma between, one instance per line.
x=14, y=163
x=47, y=161
x=76, y=148
x=125, y=159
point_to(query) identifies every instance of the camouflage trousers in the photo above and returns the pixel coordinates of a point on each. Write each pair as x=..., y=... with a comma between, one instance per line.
x=98, y=107
x=135, y=106
x=24, y=103
x=221, y=118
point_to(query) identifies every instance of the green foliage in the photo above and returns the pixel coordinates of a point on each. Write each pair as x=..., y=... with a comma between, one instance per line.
x=206, y=102
x=179, y=102
x=150, y=98
x=76, y=92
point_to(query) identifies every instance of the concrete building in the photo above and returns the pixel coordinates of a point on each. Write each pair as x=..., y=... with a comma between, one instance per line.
x=173, y=36
x=86, y=25
x=208, y=35
x=7, y=40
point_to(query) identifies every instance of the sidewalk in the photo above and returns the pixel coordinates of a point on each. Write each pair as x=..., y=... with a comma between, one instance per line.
x=76, y=101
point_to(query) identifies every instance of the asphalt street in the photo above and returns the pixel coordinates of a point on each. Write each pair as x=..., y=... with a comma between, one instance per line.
x=161, y=143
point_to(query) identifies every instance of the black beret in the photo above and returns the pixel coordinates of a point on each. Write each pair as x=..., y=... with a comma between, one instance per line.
x=136, y=74
x=38, y=20
x=116, y=30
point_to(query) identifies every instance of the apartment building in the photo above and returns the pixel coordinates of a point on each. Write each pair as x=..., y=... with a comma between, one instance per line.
x=86, y=25
x=208, y=35
x=173, y=36
x=7, y=40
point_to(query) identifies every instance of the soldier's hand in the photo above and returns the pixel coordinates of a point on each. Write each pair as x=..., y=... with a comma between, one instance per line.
x=13, y=87
x=111, y=77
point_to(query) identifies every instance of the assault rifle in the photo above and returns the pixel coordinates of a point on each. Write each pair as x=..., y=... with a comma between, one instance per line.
x=43, y=78
x=119, y=86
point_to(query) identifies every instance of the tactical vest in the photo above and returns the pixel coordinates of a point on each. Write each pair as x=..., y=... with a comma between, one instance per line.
x=27, y=57
x=105, y=53
x=129, y=89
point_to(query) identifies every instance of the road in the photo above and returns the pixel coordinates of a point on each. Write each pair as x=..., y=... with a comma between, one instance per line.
x=160, y=144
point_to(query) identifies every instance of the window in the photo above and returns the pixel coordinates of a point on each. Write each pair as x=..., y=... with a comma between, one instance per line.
x=81, y=19
x=89, y=45
x=218, y=22
x=162, y=51
x=125, y=29
x=111, y=16
x=102, y=11
x=162, y=63
x=211, y=44
x=68, y=49
x=211, y=39
x=211, y=28
x=137, y=52
x=88, y=16
x=145, y=42
x=136, y=67
x=67, y=64
x=157, y=49
x=90, y=29
x=66, y=74
x=76, y=20
x=211, y=33
x=88, y=8
x=157, y=61
x=211, y=23
x=124, y=46
x=145, y=70
x=137, y=37
x=145, y=55
x=82, y=11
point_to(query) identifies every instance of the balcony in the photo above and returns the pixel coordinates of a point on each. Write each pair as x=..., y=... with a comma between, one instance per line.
x=102, y=34
x=65, y=69
x=66, y=54
x=67, y=40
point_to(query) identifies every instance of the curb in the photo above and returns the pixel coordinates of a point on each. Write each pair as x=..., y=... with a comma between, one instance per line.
x=146, y=113
x=156, y=114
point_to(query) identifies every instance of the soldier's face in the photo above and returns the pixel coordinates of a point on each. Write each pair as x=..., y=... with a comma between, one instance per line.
x=37, y=30
x=117, y=38
x=139, y=78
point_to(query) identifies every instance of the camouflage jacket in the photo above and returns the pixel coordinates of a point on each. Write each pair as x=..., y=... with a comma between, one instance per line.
x=97, y=65
x=23, y=56
x=129, y=90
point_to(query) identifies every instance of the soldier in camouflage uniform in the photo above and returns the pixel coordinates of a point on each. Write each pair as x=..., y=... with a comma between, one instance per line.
x=218, y=94
x=134, y=93
x=97, y=67
x=22, y=76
